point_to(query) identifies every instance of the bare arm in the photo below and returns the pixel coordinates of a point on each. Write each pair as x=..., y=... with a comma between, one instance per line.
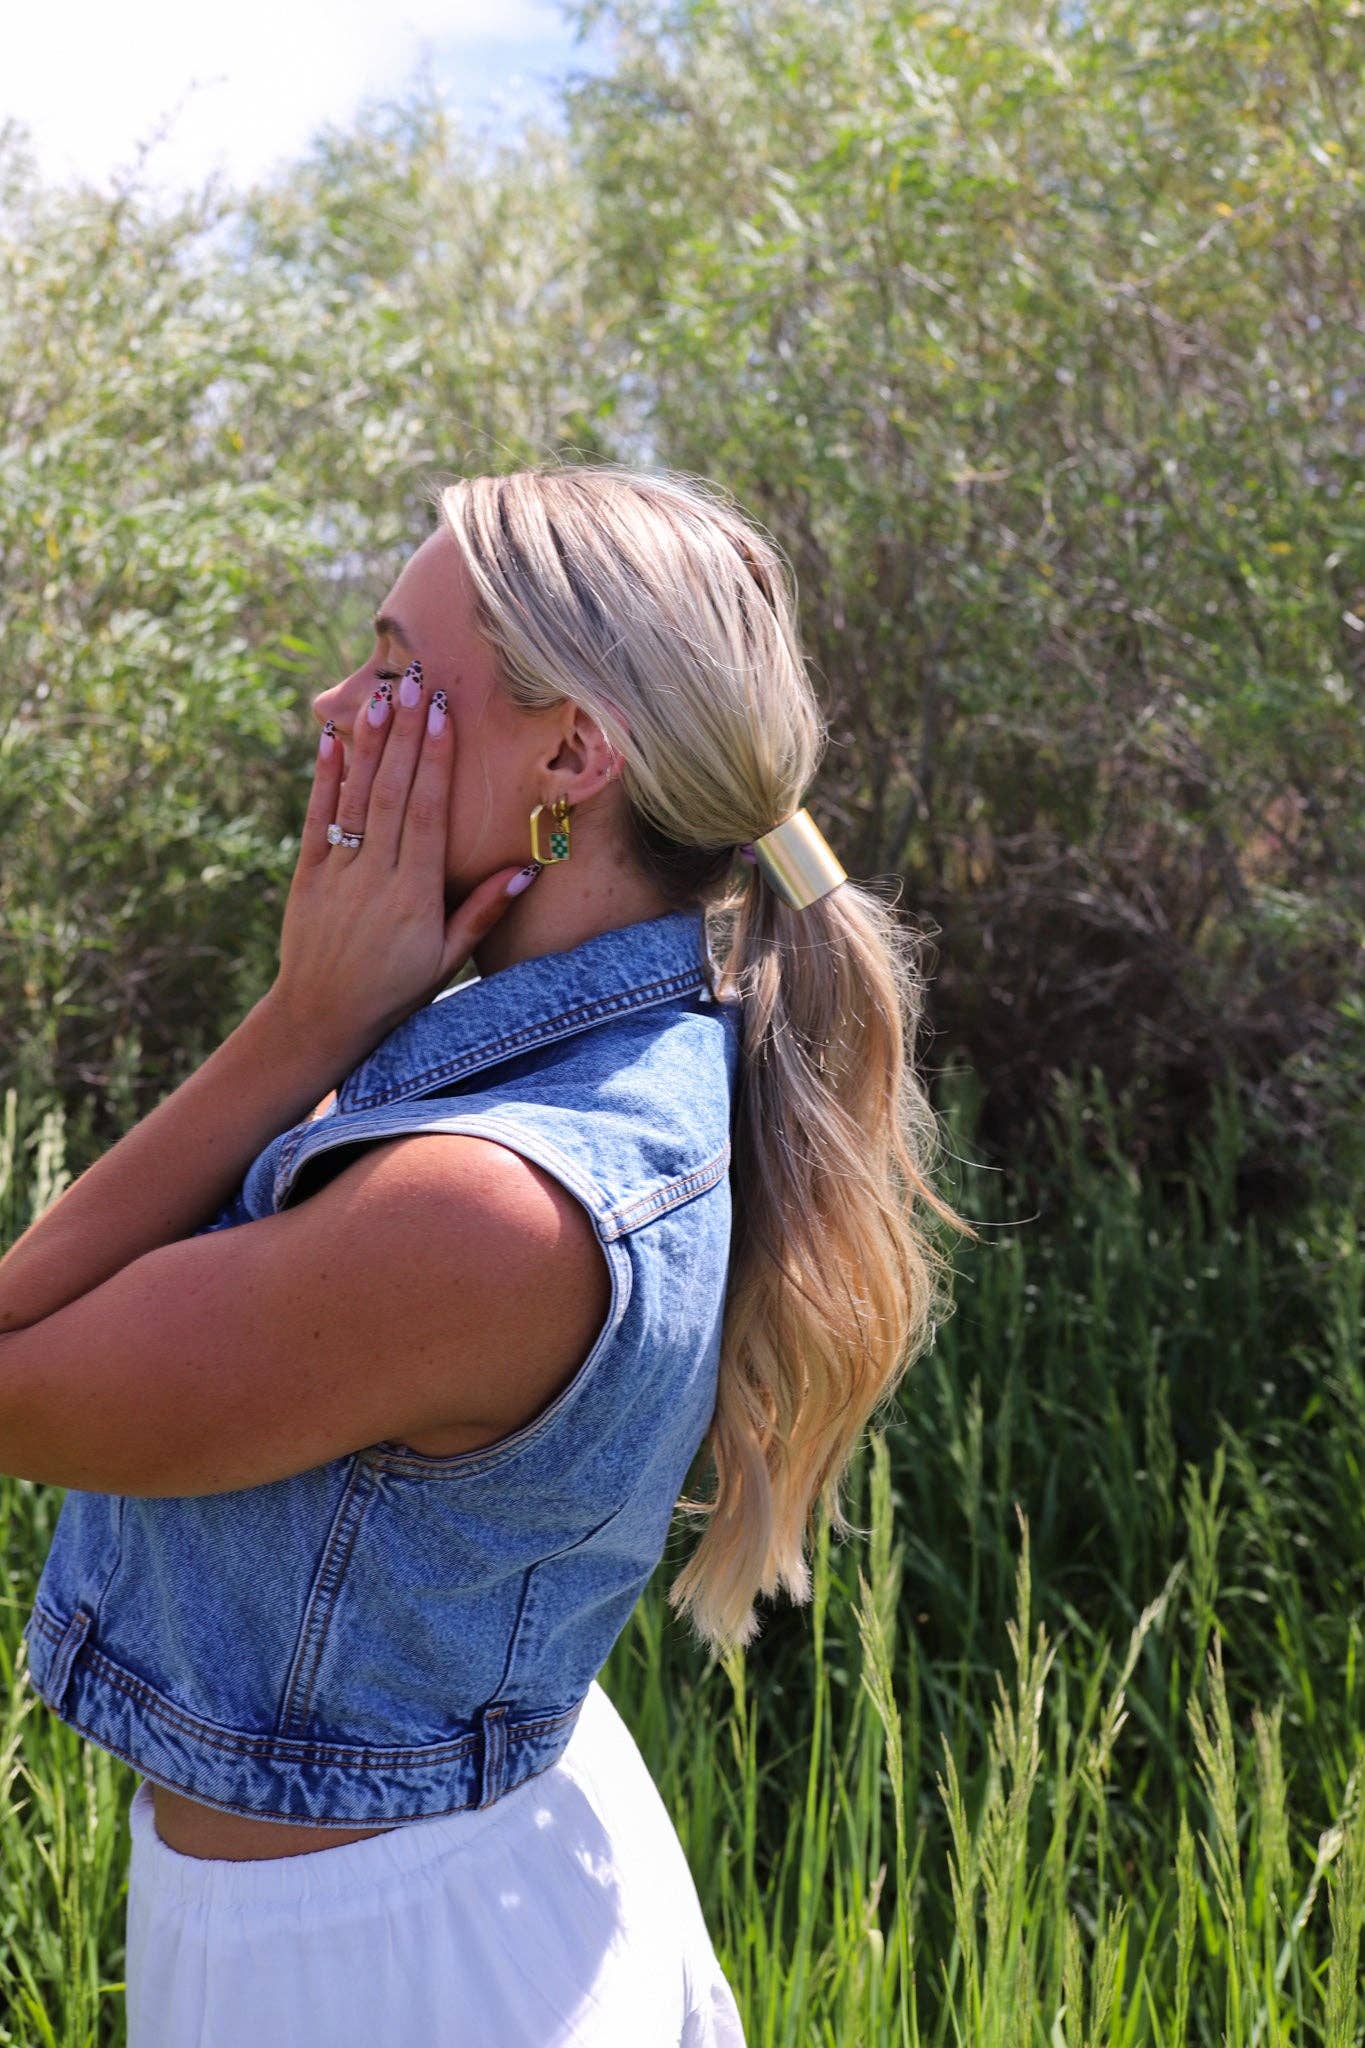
x=439, y=1280
x=366, y=939
x=170, y=1173
x=111, y=1308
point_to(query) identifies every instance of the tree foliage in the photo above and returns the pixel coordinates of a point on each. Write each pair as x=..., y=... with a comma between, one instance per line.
x=1032, y=334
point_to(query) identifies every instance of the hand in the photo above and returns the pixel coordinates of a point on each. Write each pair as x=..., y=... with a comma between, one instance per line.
x=366, y=937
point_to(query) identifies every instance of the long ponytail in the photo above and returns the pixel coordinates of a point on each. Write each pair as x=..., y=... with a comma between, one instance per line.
x=654, y=602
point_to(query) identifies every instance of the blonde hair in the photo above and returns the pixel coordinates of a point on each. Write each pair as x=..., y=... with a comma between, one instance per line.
x=652, y=601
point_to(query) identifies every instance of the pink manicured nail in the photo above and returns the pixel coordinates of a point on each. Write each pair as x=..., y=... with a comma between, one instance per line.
x=410, y=689
x=436, y=716
x=327, y=742
x=379, y=704
x=524, y=879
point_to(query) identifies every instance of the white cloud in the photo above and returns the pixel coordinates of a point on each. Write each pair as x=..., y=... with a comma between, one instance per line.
x=242, y=86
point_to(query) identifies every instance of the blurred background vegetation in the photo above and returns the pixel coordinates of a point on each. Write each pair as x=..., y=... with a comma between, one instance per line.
x=1036, y=342
x=1033, y=335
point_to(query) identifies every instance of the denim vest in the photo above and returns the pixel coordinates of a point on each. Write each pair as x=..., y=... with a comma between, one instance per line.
x=392, y=1635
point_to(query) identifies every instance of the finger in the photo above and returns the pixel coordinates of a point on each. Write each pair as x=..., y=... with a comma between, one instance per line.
x=481, y=910
x=367, y=745
x=392, y=782
x=322, y=797
x=426, y=817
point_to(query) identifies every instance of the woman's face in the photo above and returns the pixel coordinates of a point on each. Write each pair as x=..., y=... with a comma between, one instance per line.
x=506, y=761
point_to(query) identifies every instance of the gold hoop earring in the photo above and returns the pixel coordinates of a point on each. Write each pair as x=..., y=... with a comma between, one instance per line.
x=559, y=835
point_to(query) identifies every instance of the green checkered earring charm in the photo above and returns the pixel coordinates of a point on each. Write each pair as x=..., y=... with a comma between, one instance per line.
x=559, y=834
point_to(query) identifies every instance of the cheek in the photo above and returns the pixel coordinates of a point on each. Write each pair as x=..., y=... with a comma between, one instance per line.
x=486, y=817
x=468, y=795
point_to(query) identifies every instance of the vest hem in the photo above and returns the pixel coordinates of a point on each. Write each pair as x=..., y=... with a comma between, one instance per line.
x=278, y=1778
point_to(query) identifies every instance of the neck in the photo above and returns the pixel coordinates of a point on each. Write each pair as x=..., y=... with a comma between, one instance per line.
x=561, y=909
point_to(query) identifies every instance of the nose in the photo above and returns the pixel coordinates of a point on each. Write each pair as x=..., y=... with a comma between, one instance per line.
x=335, y=703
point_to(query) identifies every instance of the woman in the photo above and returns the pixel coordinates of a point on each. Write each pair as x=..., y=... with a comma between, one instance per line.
x=367, y=1471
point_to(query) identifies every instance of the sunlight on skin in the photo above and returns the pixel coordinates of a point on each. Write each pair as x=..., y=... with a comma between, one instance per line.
x=506, y=762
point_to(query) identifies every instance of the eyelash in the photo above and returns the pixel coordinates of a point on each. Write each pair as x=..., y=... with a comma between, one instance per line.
x=387, y=675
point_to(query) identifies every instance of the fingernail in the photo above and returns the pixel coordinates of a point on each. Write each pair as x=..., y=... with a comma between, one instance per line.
x=524, y=879
x=328, y=741
x=410, y=689
x=436, y=716
x=380, y=702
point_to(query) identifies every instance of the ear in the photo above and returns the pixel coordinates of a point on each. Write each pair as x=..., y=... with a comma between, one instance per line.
x=586, y=754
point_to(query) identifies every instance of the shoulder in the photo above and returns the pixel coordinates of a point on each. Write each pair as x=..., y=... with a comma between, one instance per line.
x=462, y=1194
x=449, y=1220
x=438, y=1281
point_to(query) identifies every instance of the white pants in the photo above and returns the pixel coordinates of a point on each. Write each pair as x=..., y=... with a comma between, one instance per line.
x=562, y=1916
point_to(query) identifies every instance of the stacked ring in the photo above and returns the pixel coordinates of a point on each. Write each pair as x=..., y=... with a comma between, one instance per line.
x=336, y=837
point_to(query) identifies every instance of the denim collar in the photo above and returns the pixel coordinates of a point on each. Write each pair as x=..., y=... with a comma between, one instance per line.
x=532, y=1002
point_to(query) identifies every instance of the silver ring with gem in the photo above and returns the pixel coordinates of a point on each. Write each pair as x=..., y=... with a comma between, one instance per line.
x=336, y=837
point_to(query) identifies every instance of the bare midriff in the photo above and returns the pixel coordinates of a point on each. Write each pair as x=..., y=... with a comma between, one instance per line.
x=193, y=1829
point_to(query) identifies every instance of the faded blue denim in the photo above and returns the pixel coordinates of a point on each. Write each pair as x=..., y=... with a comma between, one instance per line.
x=392, y=1636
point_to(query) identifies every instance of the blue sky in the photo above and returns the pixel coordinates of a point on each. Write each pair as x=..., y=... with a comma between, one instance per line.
x=238, y=88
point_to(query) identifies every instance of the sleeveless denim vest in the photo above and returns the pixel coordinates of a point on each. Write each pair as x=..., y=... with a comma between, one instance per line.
x=393, y=1635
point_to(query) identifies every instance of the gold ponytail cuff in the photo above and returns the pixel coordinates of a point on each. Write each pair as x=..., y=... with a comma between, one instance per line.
x=798, y=861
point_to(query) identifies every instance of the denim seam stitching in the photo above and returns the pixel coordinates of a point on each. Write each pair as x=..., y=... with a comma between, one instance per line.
x=629, y=1215
x=373, y=1126
x=598, y=1008
x=274, y=1812
x=326, y=1586
x=286, y=1749
x=493, y=1756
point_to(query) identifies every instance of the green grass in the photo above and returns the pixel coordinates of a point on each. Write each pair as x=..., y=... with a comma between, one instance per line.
x=1067, y=1749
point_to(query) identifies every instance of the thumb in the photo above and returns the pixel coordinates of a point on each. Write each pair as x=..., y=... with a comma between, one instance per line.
x=481, y=910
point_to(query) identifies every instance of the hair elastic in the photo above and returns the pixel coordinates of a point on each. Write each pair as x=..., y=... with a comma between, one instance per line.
x=796, y=860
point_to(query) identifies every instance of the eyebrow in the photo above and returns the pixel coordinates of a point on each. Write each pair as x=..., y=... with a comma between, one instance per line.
x=389, y=628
